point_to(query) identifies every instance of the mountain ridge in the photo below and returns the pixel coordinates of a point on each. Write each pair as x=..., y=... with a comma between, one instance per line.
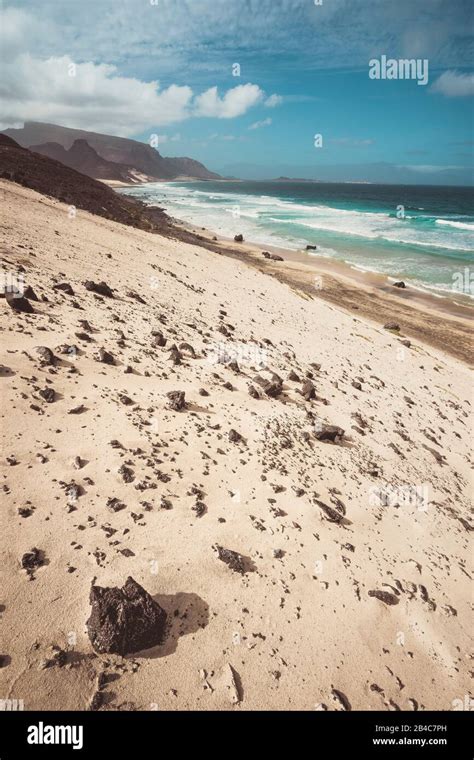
x=112, y=149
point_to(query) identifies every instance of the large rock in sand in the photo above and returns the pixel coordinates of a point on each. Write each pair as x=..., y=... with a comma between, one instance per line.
x=125, y=620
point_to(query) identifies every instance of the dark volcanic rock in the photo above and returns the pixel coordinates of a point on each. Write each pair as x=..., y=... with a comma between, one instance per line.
x=176, y=401
x=392, y=326
x=331, y=514
x=18, y=303
x=275, y=257
x=311, y=247
x=158, y=339
x=234, y=436
x=238, y=238
x=272, y=388
x=65, y=287
x=124, y=620
x=32, y=560
x=104, y=356
x=308, y=390
x=99, y=287
x=48, y=394
x=384, y=596
x=253, y=392
x=329, y=433
x=46, y=356
x=400, y=284
x=30, y=294
x=234, y=560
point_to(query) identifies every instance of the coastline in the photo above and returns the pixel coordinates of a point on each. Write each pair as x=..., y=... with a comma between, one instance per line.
x=365, y=294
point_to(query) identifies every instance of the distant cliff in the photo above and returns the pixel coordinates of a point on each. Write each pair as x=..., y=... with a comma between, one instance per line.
x=132, y=157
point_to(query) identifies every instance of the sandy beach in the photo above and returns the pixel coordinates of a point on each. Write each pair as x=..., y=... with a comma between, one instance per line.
x=351, y=590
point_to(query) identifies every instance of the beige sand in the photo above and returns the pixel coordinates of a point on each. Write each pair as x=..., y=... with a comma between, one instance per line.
x=298, y=632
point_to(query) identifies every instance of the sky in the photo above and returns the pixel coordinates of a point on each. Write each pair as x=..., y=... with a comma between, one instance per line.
x=253, y=88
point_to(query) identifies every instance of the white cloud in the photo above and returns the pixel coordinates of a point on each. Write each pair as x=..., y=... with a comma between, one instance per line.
x=94, y=96
x=273, y=100
x=259, y=124
x=454, y=85
x=234, y=103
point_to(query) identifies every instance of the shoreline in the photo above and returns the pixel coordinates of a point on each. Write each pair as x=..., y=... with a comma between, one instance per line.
x=367, y=294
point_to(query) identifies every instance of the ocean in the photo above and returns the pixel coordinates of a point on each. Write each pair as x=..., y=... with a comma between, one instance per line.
x=423, y=235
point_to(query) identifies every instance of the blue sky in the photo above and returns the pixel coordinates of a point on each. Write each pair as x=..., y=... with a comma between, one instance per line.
x=166, y=69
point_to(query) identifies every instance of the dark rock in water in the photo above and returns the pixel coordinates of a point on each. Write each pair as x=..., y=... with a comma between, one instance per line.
x=176, y=401
x=101, y=288
x=238, y=238
x=234, y=560
x=329, y=433
x=400, y=284
x=18, y=303
x=48, y=394
x=308, y=390
x=45, y=355
x=104, y=356
x=124, y=620
x=384, y=596
x=32, y=560
x=392, y=326
x=65, y=287
x=234, y=436
x=311, y=247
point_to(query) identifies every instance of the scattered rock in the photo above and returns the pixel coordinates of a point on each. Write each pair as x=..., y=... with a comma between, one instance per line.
x=124, y=620
x=176, y=400
x=392, y=326
x=234, y=560
x=329, y=433
x=384, y=596
x=399, y=284
x=101, y=288
x=104, y=356
x=46, y=356
x=48, y=394
x=18, y=303
x=32, y=560
x=234, y=436
x=238, y=238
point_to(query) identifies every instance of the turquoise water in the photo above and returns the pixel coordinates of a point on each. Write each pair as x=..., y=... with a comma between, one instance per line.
x=424, y=235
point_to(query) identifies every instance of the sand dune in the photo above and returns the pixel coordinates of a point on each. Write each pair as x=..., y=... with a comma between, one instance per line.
x=353, y=589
